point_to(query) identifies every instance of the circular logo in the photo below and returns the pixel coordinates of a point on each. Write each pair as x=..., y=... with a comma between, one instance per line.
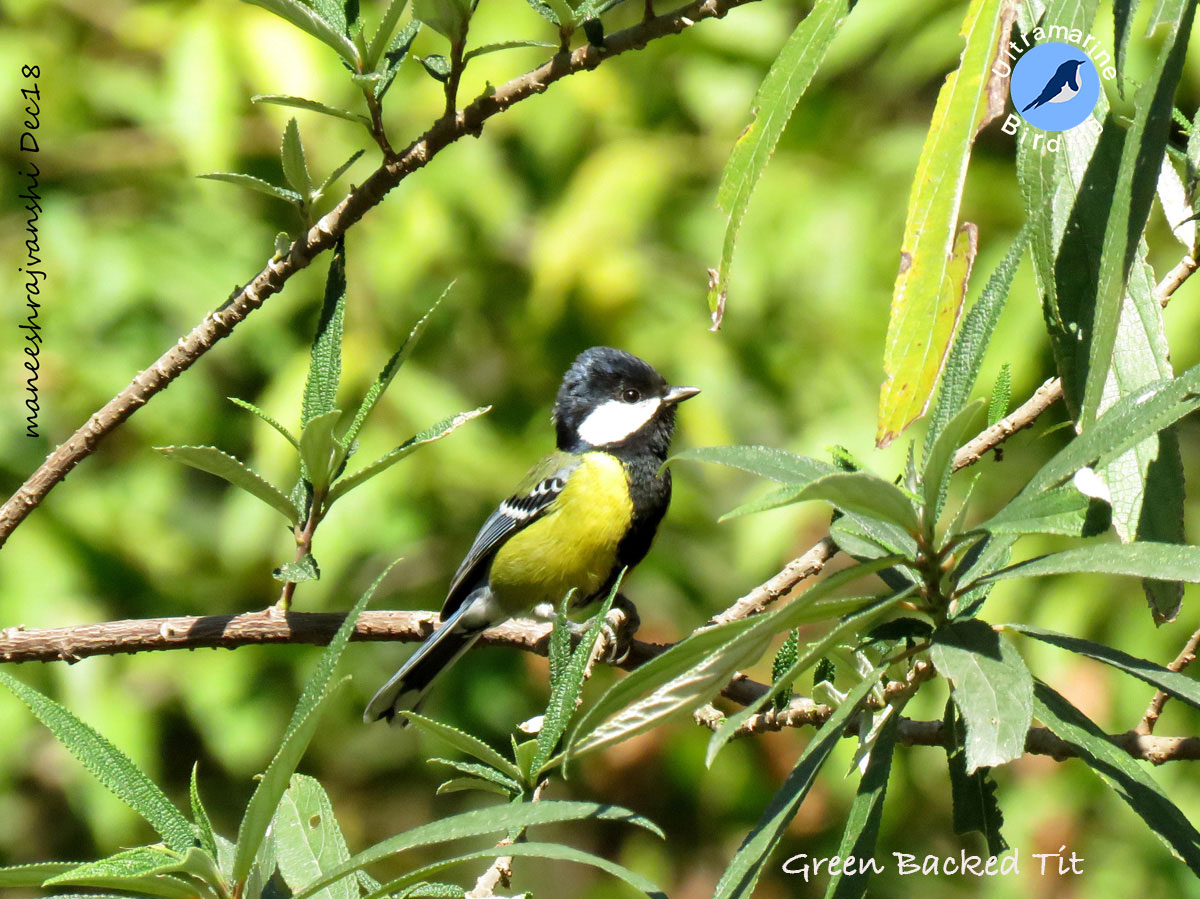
x=1055, y=86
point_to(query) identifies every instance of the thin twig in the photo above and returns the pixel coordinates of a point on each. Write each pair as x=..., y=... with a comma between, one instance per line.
x=324, y=234
x=761, y=597
x=1186, y=656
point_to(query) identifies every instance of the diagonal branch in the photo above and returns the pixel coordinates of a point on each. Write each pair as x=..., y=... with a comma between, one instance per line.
x=324, y=234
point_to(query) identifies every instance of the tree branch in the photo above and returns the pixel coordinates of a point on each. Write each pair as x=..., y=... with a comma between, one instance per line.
x=1186, y=656
x=324, y=234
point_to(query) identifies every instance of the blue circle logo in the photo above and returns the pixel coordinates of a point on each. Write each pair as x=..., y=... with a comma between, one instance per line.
x=1055, y=86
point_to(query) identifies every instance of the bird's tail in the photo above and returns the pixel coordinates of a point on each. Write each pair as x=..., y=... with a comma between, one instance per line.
x=1030, y=106
x=409, y=685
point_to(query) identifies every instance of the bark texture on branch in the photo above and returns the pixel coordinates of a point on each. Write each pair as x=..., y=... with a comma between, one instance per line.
x=324, y=234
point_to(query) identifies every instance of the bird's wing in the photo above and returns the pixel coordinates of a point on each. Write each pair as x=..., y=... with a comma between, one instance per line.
x=531, y=500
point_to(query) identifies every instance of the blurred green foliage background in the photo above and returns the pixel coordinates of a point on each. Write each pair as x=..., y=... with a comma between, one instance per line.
x=583, y=216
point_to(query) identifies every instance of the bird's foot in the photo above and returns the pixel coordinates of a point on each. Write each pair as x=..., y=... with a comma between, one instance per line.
x=617, y=630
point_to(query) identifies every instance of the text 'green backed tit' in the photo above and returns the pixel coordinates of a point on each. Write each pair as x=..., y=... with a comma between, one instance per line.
x=580, y=516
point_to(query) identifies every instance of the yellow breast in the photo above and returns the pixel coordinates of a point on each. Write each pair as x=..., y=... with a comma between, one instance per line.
x=572, y=545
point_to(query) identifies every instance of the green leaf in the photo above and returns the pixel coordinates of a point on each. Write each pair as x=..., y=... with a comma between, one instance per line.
x=317, y=694
x=143, y=870
x=295, y=166
x=777, y=96
x=860, y=493
x=464, y=742
x=1128, y=208
x=311, y=106
x=971, y=343
x=862, y=824
x=506, y=45
x=785, y=657
x=1060, y=510
x=1181, y=686
x=249, y=181
x=394, y=55
x=308, y=841
x=306, y=19
x=483, y=772
x=499, y=818
x=939, y=464
x=274, y=782
x=1164, y=561
x=325, y=365
x=250, y=407
x=466, y=784
x=766, y=461
x=448, y=18
x=203, y=825
x=33, y=875
x=298, y=572
x=443, y=428
x=383, y=35
x=559, y=655
x=566, y=689
x=1131, y=420
x=973, y=795
x=1123, y=11
x=857, y=622
x=529, y=849
x=992, y=689
x=320, y=451
x=556, y=12
x=108, y=765
x=337, y=173
x=1124, y=774
x=389, y=370
x=213, y=461
x=697, y=683
x=1145, y=483
x=742, y=875
x=332, y=11
x=936, y=253
x=1001, y=393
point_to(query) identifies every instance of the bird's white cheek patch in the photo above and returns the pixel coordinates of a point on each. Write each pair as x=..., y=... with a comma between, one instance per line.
x=615, y=420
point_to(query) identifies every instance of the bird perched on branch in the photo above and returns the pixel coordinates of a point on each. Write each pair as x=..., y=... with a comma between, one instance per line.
x=578, y=518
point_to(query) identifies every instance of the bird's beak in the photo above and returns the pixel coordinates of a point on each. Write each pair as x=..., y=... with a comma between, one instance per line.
x=679, y=394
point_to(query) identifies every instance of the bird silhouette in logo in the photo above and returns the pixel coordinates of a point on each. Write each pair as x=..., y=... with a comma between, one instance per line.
x=1062, y=86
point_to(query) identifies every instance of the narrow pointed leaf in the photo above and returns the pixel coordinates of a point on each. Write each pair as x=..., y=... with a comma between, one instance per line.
x=1174, y=683
x=936, y=254
x=1060, y=510
x=443, y=428
x=307, y=19
x=743, y=872
x=325, y=365
x=213, y=461
x=1129, y=206
x=971, y=342
x=766, y=461
x=295, y=166
x=939, y=463
x=464, y=742
x=777, y=96
x=862, y=493
x=383, y=35
x=862, y=824
x=311, y=106
x=393, y=365
x=855, y=623
x=555, y=851
x=338, y=172
x=200, y=815
x=500, y=818
x=976, y=809
x=321, y=452
x=1163, y=561
x=250, y=407
x=506, y=45
x=256, y=184
x=1125, y=775
x=108, y=765
x=33, y=875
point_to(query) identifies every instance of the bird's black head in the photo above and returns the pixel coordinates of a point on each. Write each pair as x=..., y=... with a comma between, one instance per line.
x=612, y=400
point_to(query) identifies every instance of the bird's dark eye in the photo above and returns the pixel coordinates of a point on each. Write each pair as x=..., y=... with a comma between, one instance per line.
x=631, y=394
